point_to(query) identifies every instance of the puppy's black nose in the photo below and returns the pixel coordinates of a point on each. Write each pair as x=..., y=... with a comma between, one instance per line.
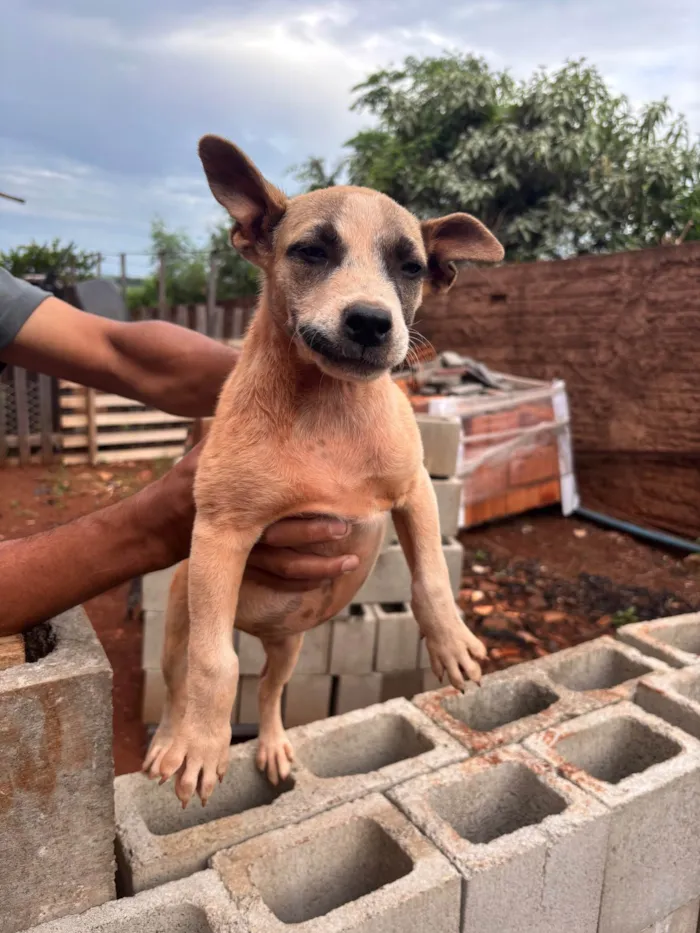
x=367, y=325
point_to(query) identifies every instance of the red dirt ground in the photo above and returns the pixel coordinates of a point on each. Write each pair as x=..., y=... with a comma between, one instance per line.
x=532, y=585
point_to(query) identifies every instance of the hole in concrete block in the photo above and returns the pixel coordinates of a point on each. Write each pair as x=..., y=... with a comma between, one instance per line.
x=496, y=802
x=685, y=636
x=690, y=688
x=363, y=747
x=182, y=918
x=496, y=704
x=393, y=607
x=617, y=749
x=39, y=642
x=597, y=668
x=244, y=788
x=329, y=870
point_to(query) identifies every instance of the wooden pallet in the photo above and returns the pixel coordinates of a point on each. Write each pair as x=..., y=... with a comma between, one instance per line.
x=99, y=427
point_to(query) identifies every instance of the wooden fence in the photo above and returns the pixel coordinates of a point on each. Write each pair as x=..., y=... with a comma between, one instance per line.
x=43, y=421
x=28, y=417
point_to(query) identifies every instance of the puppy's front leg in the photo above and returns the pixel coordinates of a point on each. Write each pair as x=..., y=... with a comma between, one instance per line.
x=200, y=744
x=451, y=646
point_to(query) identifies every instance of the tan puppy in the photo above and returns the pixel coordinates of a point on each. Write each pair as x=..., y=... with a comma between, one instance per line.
x=308, y=423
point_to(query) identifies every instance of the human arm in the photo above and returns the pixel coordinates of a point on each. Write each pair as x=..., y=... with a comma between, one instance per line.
x=160, y=364
x=50, y=572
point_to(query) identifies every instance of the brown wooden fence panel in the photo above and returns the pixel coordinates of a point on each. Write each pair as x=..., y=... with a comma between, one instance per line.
x=27, y=423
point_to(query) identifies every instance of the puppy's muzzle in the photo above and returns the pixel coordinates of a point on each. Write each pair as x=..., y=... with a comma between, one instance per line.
x=362, y=343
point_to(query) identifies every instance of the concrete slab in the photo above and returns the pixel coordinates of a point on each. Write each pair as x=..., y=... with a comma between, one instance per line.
x=360, y=868
x=56, y=771
x=648, y=774
x=530, y=847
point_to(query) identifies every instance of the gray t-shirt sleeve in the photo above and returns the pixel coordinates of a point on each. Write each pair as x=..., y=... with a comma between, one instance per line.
x=18, y=300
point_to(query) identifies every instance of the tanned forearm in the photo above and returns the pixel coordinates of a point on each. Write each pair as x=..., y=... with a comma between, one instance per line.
x=48, y=573
x=168, y=367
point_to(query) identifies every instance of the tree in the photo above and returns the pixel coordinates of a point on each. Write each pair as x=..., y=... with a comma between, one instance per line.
x=65, y=261
x=187, y=268
x=555, y=165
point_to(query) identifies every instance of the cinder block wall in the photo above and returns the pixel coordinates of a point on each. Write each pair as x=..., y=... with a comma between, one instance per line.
x=562, y=795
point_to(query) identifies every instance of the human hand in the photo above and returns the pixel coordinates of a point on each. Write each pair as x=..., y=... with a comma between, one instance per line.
x=278, y=559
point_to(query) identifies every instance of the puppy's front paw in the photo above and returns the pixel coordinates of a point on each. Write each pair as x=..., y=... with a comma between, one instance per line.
x=198, y=756
x=275, y=755
x=456, y=651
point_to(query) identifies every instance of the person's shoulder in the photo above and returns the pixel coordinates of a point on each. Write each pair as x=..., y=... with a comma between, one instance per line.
x=18, y=300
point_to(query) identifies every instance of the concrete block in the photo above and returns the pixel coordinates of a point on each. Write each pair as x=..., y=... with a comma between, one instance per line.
x=247, y=701
x=429, y=682
x=441, y=437
x=199, y=904
x=448, y=493
x=314, y=656
x=337, y=760
x=251, y=654
x=674, y=697
x=404, y=684
x=153, y=696
x=372, y=749
x=360, y=868
x=675, y=640
x=683, y=920
x=397, y=638
x=504, y=710
x=56, y=772
x=307, y=698
x=356, y=691
x=155, y=588
x=603, y=671
x=390, y=581
x=530, y=847
x=648, y=774
x=352, y=641
x=153, y=638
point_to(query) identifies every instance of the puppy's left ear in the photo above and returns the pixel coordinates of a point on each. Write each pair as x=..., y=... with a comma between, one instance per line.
x=456, y=238
x=255, y=204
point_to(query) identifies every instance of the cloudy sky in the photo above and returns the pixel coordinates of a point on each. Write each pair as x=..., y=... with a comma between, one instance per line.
x=102, y=101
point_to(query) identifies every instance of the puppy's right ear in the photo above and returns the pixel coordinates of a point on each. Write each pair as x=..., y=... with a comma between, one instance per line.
x=255, y=204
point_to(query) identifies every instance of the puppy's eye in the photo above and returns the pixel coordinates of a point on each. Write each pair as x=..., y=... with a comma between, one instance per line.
x=412, y=269
x=311, y=254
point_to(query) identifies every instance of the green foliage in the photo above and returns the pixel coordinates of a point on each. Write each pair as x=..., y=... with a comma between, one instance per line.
x=187, y=269
x=65, y=260
x=555, y=165
x=624, y=617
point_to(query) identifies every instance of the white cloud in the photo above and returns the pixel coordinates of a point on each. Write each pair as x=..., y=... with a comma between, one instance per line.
x=105, y=110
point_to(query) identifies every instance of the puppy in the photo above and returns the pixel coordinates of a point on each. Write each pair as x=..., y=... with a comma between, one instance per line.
x=308, y=424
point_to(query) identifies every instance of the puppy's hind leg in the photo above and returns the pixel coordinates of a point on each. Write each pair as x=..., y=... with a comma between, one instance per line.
x=174, y=666
x=275, y=753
